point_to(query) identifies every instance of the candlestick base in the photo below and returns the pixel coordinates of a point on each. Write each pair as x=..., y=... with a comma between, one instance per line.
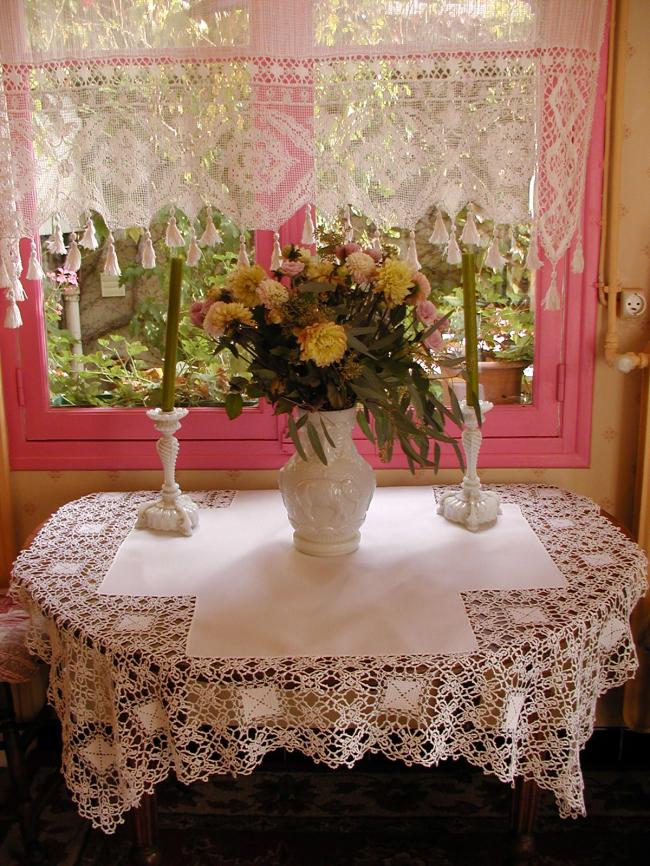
x=172, y=511
x=471, y=506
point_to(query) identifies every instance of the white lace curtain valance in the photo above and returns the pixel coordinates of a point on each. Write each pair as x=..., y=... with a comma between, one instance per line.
x=258, y=107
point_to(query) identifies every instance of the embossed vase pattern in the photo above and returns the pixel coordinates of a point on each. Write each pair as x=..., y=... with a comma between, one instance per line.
x=327, y=504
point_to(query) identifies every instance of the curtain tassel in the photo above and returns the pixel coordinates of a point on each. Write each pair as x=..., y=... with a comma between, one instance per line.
x=148, y=252
x=210, y=237
x=348, y=228
x=309, y=229
x=376, y=241
x=89, y=237
x=193, y=252
x=111, y=265
x=55, y=243
x=276, y=255
x=533, y=261
x=73, y=259
x=494, y=259
x=454, y=255
x=242, y=258
x=439, y=235
x=5, y=280
x=578, y=260
x=13, y=319
x=470, y=235
x=34, y=269
x=173, y=238
x=19, y=291
x=412, y=252
x=551, y=299
x=10, y=272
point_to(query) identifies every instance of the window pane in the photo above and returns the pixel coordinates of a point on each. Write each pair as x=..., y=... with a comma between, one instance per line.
x=106, y=335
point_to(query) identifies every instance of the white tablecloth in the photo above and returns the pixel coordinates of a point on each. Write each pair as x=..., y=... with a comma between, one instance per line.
x=399, y=594
x=135, y=705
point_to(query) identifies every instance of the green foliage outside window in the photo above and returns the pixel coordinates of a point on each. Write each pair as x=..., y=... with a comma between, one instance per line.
x=126, y=369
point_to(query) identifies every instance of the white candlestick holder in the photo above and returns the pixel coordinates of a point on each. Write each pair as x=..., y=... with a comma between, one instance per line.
x=471, y=505
x=172, y=512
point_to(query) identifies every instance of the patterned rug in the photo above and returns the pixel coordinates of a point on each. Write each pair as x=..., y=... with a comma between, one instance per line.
x=292, y=813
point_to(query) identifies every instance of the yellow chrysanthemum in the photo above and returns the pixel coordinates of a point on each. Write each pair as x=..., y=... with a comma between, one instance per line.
x=272, y=294
x=243, y=282
x=361, y=266
x=318, y=270
x=222, y=315
x=323, y=343
x=395, y=280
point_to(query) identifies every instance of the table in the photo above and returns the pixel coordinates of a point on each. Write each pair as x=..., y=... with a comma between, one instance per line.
x=134, y=706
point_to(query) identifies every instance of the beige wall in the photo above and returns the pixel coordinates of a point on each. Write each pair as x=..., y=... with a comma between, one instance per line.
x=610, y=478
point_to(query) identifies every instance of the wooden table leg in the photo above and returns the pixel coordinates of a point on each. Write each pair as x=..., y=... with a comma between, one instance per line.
x=144, y=828
x=525, y=799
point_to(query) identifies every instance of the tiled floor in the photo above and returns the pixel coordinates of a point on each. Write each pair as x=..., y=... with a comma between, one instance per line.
x=291, y=813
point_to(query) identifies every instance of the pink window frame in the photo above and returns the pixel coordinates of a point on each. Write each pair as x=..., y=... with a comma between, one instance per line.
x=554, y=432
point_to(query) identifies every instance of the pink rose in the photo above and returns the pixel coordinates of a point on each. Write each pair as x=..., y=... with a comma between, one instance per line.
x=196, y=313
x=434, y=340
x=422, y=285
x=374, y=254
x=426, y=312
x=292, y=269
x=342, y=251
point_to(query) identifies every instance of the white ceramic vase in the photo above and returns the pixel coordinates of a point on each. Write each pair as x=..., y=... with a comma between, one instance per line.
x=327, y=504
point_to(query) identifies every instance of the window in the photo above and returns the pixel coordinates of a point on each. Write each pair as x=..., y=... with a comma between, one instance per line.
x=550, y=428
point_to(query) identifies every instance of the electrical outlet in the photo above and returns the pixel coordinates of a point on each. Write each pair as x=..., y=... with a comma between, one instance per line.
x=633, y=303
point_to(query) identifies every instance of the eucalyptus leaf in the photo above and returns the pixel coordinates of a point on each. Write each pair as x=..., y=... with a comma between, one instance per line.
x=362, y=421
x=323, y=424
x=355, y=343
x=316, y=444
x=295, y=438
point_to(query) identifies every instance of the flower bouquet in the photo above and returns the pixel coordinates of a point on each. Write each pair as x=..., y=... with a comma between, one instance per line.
x=323, y=335
x=328, y=342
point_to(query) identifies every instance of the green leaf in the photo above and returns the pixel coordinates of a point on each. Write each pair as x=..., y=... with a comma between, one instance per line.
x=362, y=391
x=326, y=432
x=408, y=449
x=362, y=421
x=387, y=340
x=416, y=400
x=233, y=404
x=295, y=438
x=316, y=444
x=354, y=343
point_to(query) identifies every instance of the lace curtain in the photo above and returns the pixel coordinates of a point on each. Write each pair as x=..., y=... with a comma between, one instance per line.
x=257, y=108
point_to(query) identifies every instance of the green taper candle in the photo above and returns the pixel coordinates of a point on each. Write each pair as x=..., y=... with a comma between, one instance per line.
x=471, y=334
x=171, y=336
